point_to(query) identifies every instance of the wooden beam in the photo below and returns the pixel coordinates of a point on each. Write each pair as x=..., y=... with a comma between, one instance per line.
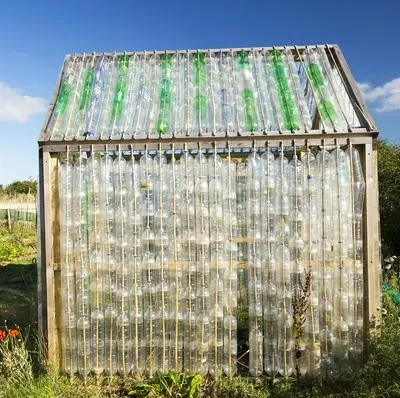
x=47, y=294
x=372, y=266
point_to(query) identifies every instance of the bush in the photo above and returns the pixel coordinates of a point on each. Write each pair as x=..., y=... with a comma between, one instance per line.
x=21, y=187
x=389, y=194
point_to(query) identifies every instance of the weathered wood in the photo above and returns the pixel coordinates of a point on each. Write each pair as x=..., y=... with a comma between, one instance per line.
x=47, y=305
x=372, y=267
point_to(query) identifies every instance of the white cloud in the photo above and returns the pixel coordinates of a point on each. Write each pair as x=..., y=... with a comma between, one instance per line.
x=17, y=107
x=384, y=98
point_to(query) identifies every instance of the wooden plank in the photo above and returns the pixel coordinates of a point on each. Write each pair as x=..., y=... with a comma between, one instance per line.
x=210, y=142
x=47, y=299
x=372, y=267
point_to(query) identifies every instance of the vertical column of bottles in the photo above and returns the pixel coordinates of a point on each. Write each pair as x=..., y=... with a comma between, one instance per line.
x=96, y=104
x=216, y=264
x=143, y=98
x=123, y=263
x=325, y=283
x=311, y=257
x=162, y=217
x=110, y=287
x=203, y=260
x=164, y=121
x=179, y=96
x=226, y=95
x=189, y=265
x=81, y=204
x=63, y=100
x=297, y=90
x=95, y=237
x=241, y=239
x=107, y=99
x=253, y=204
x=136, y=302
x=84, y=98
x=230, y=272
x=176, y=302
x=201, y=123
x=300, y=276
x=284, y=271
x=248, y=112
x=69, y=127
x=327, y=104
x=130, y=103
x=158, y=94
x=342, y=235
x=213, y=89
x=146, y=172
x=358, y=192
x=119, y=96
x=269, y=236
x=69, y=341
x=288, y=107
x=266, y=105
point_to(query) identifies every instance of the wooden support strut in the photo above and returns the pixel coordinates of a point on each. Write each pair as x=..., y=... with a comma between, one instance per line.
x=372, y=268
x=47, y=307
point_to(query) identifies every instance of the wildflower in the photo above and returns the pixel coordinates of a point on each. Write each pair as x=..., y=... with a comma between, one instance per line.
x=3, y=335
x=14, y=332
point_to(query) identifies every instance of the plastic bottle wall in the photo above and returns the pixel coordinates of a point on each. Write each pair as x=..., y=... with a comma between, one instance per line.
x=183, y=263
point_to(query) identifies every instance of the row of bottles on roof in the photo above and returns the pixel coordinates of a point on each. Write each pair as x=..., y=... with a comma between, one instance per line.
x=197, y=94
x=152, y=250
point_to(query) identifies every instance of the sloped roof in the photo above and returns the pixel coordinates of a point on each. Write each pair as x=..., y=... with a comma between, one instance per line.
x=227, y=92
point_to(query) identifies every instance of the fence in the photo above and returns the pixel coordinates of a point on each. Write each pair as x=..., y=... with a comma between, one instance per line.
x=18, y=208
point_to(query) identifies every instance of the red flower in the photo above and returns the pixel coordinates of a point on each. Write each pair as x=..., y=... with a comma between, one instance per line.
x=14, y=332
x=3, y=335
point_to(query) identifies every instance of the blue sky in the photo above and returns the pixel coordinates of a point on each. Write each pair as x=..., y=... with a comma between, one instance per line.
x=35, y=36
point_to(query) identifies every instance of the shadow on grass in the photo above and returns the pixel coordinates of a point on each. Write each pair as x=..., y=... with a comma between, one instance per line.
x=18, y=294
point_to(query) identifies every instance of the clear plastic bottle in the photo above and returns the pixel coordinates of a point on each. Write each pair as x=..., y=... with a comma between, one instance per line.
x=63, y=100
x=325, y=95
x=67, y=271
x=255, y=282
x=247, y=95
x=95, y=107
x=269, y=234
x=229, y=123
x=325, y=176
x=284, y=270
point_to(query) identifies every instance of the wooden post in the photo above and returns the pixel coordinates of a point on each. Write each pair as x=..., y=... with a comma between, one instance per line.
x=372, y=266
x=47, y=306
x=9, y=223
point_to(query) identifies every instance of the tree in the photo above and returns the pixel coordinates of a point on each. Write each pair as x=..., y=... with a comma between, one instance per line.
x=389, y=196
x=25, y=186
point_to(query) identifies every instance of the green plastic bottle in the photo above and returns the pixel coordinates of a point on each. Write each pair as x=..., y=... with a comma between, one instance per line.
x=164, y=118
x=248, y=97
x=87, y=90
x=64, y=96
x=201, y=102
x=120, y=90
x=286, y=98
x=326, y=107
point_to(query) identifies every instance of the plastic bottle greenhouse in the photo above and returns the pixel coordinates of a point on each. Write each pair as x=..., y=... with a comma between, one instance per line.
x=211, y=211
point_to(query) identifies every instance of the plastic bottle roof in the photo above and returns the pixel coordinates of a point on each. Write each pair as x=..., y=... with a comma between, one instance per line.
x=212, y=93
